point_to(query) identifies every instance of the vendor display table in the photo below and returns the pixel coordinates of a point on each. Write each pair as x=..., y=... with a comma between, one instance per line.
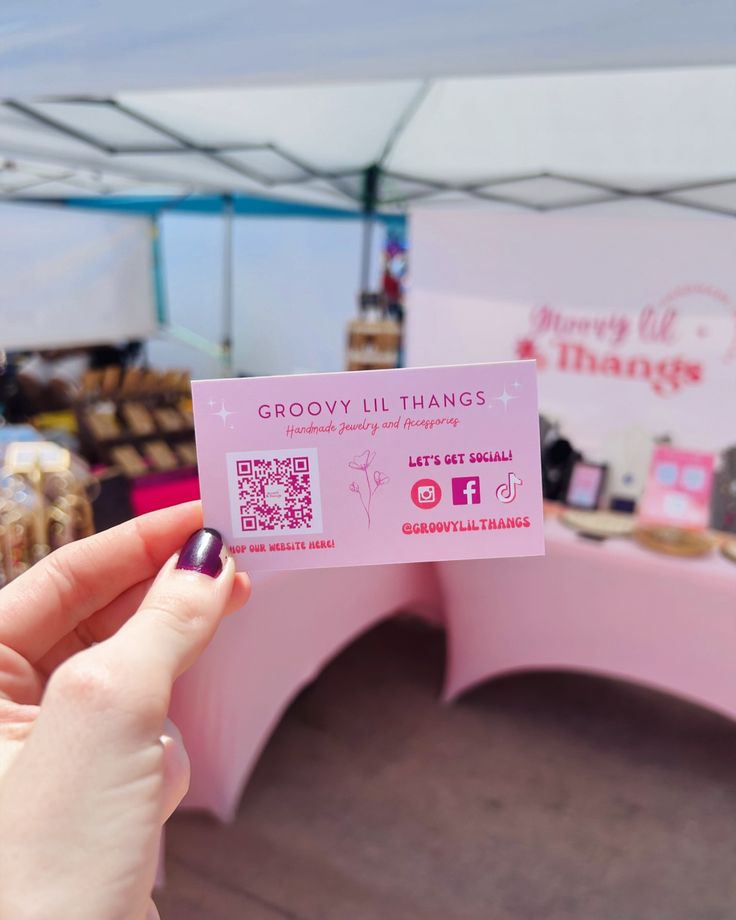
x=228, y=704
x=609, y=608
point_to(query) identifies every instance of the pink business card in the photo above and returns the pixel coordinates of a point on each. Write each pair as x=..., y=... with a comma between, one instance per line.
x=372, y=467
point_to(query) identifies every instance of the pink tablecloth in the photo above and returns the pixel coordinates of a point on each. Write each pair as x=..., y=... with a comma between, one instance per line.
x=608, y=608
x=228, y=704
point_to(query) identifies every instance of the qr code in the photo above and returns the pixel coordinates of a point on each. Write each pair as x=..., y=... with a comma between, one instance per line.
x=275, y=492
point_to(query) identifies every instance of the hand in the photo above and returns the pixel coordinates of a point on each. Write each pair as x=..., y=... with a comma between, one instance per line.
x=90, y=645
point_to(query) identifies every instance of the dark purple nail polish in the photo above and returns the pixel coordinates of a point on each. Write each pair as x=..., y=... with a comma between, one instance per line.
x=203, y=553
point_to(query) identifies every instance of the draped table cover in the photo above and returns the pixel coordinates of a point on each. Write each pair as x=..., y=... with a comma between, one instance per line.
x=609, y=608
x=228, y=704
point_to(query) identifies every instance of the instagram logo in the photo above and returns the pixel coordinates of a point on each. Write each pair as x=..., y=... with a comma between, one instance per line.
x=426, y=493
x=466, y=490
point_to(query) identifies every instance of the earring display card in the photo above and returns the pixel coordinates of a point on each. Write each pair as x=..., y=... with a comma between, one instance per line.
x=585, y=486
x=372, y=467
x=678, y=490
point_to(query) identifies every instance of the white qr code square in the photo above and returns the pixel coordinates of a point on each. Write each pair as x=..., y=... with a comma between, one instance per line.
x=274, y=492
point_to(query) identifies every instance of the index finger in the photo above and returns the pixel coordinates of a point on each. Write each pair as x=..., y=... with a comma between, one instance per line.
x=51, y=599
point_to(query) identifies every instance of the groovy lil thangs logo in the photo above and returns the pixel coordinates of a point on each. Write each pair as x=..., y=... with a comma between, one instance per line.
x=668, y=345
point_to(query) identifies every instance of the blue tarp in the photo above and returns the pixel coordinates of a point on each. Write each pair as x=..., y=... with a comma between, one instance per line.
x=243, y=205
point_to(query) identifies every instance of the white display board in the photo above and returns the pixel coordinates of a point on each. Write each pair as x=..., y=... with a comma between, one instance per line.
x=192, y=249
x=295, y=290
x=632, y=319
x=70, y=277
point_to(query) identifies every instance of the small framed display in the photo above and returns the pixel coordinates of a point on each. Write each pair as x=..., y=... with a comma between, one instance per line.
x=678, y=490
x=586, y=485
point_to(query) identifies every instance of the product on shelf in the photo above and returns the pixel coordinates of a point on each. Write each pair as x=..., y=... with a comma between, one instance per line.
x=101, y=420
x=137, y=421
x=373, y=344
x=674, y=541
x=168, y=419
x=160, y=455
x=130, y=462
x=598, y=525
x=586, y=485
x=132, y=381
x=187, y=453
x=44, y=503
x=111, y=377
x=723, y=503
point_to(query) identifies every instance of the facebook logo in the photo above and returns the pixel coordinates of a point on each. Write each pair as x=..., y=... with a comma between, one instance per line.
x=466, y=490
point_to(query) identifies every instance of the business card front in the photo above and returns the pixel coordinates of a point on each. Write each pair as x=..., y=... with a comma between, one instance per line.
x=372, y=467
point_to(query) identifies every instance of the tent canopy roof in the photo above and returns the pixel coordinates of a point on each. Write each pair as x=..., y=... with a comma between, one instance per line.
x=106, y=47
x=535, y=103
x=536, y=141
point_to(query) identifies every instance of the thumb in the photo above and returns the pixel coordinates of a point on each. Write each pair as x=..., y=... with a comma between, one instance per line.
x=115, y=695
x=174, y=624
x=93, y=772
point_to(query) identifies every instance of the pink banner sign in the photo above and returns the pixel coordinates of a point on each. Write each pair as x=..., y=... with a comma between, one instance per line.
x=632, y=321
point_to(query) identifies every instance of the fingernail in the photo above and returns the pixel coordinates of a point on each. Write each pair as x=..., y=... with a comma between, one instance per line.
x=203, y=552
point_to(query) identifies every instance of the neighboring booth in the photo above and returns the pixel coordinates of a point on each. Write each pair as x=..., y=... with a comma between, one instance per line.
x=202, y=287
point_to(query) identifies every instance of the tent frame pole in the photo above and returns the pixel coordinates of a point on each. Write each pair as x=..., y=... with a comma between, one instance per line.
x=371, y=179
x=228, y=213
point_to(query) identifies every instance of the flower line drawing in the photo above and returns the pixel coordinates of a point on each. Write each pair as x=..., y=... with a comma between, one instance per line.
x=361, y=463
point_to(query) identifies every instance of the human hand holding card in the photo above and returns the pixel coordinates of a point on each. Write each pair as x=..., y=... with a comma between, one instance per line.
x=372, y=467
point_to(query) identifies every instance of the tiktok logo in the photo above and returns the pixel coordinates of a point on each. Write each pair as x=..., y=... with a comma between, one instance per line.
x=506, y=492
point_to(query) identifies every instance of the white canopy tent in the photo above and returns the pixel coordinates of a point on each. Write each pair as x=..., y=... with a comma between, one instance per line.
x=501, y=101
x=107, y=47
x=539, y=141
x=366, y=107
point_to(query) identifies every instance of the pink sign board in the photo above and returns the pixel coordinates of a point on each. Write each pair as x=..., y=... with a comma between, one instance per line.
x=372, y=467
x=678, y=489
x=630, y=340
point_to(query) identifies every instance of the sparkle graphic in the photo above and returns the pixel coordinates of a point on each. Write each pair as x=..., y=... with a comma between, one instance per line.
x=505, y=397
x=516, y=384
x=212, y=404
x=224, y=414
